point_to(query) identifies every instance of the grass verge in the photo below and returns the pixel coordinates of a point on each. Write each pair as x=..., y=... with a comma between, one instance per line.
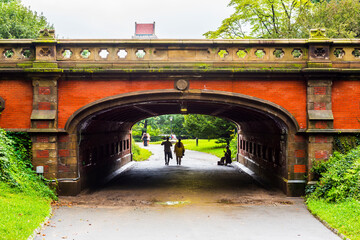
x=21, y=212
x=140, y=154
x=343, y=216
x=205, y=145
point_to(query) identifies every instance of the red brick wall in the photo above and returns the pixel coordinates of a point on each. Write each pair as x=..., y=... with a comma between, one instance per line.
x=75, y=94
x=289, y=94
x=346, y=104
x=18, y=98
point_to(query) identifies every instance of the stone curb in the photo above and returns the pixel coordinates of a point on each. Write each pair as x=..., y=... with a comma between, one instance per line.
x=119, y=171
x=242, y=168
x=327, y=225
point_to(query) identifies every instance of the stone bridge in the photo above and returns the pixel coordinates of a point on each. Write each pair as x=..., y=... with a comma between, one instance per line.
x=80, y=98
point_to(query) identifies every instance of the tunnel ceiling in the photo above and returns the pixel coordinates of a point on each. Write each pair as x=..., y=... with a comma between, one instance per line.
x=246, y=117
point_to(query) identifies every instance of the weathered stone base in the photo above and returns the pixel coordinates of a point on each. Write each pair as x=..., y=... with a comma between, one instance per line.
x=295, y=188
x=292, y=188
x=69, y=188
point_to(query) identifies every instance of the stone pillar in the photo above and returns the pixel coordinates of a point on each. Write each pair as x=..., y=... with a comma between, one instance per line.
x=44, y=123
x=53, y=149
x=68, y=170
x=320, y=120
x=296, y=164
x=319, y=106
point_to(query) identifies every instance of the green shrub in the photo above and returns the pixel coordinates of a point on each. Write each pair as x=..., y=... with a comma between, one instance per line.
x=339, y=177
x=15, y=165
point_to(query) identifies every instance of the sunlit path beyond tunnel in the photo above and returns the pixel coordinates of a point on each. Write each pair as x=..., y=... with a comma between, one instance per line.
x=197, y=181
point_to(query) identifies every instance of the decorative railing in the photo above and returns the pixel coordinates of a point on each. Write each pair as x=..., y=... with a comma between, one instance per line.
x=253, y=53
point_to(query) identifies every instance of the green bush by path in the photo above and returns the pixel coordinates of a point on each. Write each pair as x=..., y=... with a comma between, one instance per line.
x=140, y=154
x=24, y=197
x=16, y=168
x=343, y=216
x=21, y=212
x=339, y=177
x=335, y=198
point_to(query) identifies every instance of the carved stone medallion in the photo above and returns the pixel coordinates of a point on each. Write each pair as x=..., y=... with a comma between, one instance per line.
x=181, y=84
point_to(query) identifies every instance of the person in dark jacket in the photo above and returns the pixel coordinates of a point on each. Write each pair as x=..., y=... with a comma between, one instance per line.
x=145, y=139
x=167, y=150
x=227, y=155
x=226, y=159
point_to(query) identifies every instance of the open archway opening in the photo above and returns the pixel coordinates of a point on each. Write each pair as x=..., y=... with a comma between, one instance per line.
x=103, y=129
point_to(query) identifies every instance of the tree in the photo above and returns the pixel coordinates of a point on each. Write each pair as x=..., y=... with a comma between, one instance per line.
x=203, y=126
x=18, y=21
x=341, y=19
x=192, y=125
x=290, y=19
x=264, y=19
x=161, y=125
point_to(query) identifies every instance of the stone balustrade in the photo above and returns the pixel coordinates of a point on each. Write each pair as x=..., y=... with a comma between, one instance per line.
x=198, y=54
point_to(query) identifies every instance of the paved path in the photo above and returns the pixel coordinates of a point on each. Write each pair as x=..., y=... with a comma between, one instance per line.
x=198, y=200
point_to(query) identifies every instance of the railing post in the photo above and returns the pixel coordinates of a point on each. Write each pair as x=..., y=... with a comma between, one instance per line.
x=319, y=49
x=45, y=50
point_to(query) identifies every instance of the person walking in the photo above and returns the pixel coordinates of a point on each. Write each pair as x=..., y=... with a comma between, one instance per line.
x=167, y=150
x=145, y=139
x=179, y=151
x=148, y=138
x=227, y=155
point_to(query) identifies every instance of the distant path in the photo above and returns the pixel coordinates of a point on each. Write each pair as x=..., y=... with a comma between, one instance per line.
x=198, y=200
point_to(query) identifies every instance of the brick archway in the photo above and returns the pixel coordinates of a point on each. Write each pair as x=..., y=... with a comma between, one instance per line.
x=261, y=105
x=269, y=137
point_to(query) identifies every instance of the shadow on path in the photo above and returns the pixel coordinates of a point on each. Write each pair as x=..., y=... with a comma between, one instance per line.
x=198, y=180
x=196, y=201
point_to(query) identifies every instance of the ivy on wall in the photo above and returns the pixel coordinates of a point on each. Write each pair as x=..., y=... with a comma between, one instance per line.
x=344, y=143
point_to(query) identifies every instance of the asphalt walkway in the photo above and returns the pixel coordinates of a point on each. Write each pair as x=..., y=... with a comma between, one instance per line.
x=198, y=200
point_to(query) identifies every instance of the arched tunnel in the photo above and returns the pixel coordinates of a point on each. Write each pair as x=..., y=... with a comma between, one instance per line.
x=103, y=129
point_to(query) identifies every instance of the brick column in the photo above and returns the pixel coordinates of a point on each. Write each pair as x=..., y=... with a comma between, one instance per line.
x=320, y=121
x=67, y=161
x=44, y=123
x=296, y=164
x=44, y=149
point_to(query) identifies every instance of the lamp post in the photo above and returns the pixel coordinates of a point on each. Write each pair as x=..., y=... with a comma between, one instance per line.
x=171, y=125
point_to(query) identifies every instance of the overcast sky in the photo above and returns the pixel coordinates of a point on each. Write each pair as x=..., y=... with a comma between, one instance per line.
x=116, y=18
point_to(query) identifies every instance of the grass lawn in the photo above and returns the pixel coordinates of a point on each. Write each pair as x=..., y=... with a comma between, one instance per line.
x=20, y=213
x=205, y=145
x=345, y=216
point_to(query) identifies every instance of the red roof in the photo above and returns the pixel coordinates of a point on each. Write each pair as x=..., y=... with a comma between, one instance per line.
x=144, y=28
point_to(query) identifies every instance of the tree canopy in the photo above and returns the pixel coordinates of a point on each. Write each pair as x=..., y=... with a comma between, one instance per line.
x=161, y=125
x=340, y=18
x=191, y=126
x=18, y=21
x=289, y=19
x=204, y=126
